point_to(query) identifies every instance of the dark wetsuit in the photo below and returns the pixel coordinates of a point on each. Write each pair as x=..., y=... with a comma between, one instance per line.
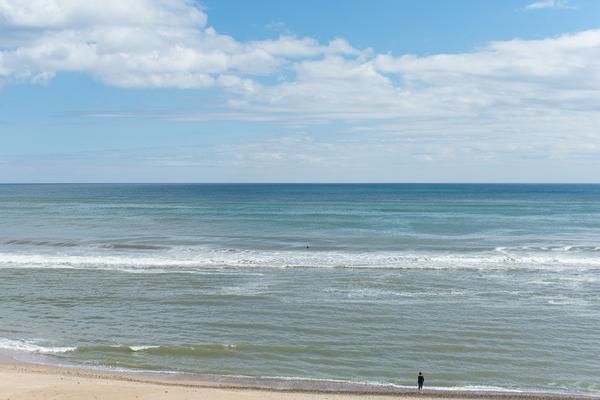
x=420, y=381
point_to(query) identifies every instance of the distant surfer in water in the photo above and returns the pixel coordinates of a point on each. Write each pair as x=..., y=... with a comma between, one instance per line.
x=420, y=381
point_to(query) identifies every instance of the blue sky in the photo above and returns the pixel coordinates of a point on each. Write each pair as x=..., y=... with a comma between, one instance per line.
x=312, y=91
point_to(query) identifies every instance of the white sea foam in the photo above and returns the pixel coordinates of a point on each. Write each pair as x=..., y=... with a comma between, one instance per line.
x=31, y=347
x=543, y=249
x=141, y=348
x=190, y=261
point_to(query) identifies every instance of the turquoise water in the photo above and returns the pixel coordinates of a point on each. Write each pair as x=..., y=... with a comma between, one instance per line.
x=476, y=285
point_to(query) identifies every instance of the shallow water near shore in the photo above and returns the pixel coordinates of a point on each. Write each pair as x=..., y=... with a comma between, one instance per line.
x=493, y=286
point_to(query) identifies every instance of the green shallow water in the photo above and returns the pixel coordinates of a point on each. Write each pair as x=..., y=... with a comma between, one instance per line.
x=499, y=328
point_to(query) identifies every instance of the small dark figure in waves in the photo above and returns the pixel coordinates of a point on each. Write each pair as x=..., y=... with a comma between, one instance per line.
x=420, y=381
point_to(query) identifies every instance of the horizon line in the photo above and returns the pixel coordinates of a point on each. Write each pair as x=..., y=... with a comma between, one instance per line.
x=302, y=183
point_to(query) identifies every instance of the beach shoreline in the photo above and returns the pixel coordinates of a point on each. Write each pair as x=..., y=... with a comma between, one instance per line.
x=33, y=381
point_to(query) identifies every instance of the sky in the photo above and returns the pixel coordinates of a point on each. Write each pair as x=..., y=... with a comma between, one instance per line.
x=305, y=91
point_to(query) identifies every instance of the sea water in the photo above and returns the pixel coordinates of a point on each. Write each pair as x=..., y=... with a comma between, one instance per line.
x=493, y=286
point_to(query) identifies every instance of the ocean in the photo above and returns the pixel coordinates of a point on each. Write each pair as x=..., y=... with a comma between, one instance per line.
x=478, y=286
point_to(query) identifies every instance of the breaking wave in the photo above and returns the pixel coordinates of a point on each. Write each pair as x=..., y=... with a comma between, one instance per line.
x=32, y=346
x=190, y=260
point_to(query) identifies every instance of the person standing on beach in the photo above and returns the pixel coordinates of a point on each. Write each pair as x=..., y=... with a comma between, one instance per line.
x=420, y=381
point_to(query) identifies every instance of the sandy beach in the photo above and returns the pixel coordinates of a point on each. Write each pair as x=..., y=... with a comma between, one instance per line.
x=39, y=382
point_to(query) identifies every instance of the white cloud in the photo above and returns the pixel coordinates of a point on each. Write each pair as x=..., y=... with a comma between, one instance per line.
x=135, y=43
x=564, y=4
x=519, y=77
x=71, y=14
